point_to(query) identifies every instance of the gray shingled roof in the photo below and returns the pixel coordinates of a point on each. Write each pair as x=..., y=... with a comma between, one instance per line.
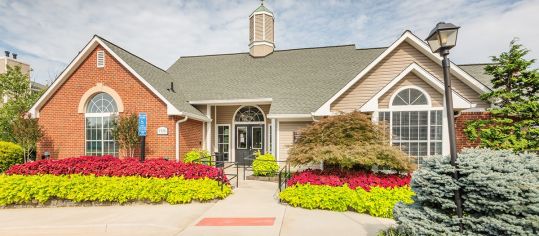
x=478, y=72
x=299, y=81
x=157, y=77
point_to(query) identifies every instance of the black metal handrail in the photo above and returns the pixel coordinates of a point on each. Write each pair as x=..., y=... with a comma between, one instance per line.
x=284, y=176
x=250, y=167
x=221, y=165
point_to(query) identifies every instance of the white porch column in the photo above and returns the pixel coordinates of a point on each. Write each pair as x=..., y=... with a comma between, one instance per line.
x=208, y=129
x=445, y=133
x=273, y=137
x=277, y=139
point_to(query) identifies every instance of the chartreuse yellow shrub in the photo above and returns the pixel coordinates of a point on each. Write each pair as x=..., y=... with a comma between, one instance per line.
x=377, y=202
x=265, y=165
x=19, y=189
x=318, y=196
x=380, y=201
x=197, y=156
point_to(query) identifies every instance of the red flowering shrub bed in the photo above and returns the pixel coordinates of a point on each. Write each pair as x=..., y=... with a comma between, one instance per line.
x=111, y=166
x=353, y=179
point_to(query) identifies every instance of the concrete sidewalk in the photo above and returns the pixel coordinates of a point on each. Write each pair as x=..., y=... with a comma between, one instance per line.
x=106, y=220
x=252, y=200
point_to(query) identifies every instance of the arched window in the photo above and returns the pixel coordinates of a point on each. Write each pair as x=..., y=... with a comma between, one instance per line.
x=410, y=97
x=102, y=103
x=249, y=114
x=100, y=113
x=415, y=126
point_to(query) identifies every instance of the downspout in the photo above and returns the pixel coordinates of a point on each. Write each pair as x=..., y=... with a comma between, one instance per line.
x=178, y=137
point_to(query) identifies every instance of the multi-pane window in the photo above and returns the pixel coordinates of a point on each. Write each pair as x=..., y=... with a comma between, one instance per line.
x=416, y=132
x=249, y=114
x=100, y=113
x=223, y=140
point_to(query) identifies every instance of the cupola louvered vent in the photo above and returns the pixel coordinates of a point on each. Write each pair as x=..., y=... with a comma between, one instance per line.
x=100, y=59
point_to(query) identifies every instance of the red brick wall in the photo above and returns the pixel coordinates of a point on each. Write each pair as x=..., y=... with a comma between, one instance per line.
x=63, y=126
x=460, y=125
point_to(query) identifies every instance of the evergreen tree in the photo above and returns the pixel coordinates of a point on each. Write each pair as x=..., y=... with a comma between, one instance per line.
x=515, y=98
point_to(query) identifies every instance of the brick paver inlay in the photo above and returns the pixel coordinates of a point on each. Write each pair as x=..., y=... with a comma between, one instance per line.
x=232, y=221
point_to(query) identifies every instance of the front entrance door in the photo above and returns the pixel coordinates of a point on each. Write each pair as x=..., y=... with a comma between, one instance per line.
x=249, y=140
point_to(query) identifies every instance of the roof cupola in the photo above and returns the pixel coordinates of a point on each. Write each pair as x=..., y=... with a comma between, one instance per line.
x=261, y=32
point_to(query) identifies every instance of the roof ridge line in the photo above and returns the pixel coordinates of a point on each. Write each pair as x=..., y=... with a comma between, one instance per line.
x=130, y=53
x=282, y=50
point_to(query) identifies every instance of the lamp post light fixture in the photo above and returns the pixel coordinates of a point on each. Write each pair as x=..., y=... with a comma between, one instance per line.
x=442, y=38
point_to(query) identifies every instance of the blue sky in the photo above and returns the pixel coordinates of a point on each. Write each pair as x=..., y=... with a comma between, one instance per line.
x=49, y=34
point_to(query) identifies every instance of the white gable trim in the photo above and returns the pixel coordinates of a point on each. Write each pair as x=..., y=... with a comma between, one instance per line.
x=94, y=42
x=417, y=43
x=459, y=102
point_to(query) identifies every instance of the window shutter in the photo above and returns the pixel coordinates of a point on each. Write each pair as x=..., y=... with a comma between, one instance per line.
x=100, y=59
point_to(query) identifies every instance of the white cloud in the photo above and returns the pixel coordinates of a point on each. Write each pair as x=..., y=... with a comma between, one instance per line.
x=48, y=34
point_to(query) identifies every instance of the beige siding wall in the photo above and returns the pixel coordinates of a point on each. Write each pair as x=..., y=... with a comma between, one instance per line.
x=268, y=27
x=251, y=29
x=393, y=64
x=258, y=26
x=436, y=97
x=286, y=136
x=4, y=63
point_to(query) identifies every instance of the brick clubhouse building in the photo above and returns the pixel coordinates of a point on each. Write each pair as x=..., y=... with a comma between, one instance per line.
x=240, y=103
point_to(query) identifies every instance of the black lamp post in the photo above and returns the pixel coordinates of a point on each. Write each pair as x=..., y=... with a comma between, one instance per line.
x=442, y=38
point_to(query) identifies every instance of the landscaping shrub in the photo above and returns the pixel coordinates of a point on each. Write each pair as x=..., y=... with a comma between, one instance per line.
x=197, y=156
x=111, y=166
x=348, y=140
x=500, y=191
x=392, y=232
x=265, y=165
x=19, y=189
x=318, y=197
x=353, y=179
x=380, y=201
x=377, y=202
x=10, y=154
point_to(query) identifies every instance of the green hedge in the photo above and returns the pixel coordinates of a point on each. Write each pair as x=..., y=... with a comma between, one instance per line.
x=265, y=165
x=19, y=189
x=377, y=202
x=10, y=154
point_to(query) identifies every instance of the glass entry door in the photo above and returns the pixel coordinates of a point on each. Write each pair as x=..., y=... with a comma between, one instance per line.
x=249, y=140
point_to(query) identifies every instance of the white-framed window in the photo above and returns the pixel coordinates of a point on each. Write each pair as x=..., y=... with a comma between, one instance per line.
x=99, y=123
x=414, y=126
x=223, y=140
